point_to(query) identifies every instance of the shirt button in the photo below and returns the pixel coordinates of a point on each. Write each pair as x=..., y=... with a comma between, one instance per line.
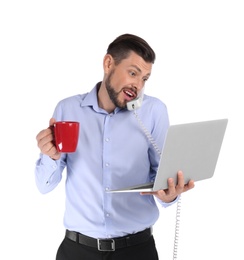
x=107, y=139
x=107, y=164
x=107, y=215
x=107, y=188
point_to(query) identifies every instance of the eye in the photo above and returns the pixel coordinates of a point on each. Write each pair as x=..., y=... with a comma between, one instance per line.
x=132, y=73
x=145, y=79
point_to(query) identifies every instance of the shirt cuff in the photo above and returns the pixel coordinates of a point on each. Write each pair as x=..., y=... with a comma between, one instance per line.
x=167, y=204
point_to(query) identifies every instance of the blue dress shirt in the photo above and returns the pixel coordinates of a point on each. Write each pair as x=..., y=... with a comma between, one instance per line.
x=113, y=152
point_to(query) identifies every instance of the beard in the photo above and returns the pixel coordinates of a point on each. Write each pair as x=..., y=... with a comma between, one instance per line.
x=113, y=95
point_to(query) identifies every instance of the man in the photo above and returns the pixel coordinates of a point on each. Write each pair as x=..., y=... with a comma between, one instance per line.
x=113, y=151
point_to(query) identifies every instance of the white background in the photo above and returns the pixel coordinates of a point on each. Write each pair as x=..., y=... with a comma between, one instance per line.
x=53, y=49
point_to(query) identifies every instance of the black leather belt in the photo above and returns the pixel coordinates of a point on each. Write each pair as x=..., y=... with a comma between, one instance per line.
x=110, y=244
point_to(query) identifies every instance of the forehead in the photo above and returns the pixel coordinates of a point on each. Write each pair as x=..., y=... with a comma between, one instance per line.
x=137, y=62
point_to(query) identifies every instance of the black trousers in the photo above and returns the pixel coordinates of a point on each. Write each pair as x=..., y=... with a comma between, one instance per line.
x=70, y=250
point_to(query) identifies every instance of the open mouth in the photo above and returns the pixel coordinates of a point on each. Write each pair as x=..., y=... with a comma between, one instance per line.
x=129, y=94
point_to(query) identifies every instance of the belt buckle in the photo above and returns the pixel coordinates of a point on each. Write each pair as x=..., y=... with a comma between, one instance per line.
x=105, y=244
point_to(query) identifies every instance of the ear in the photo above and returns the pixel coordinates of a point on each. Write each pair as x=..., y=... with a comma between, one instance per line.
x=108, y=63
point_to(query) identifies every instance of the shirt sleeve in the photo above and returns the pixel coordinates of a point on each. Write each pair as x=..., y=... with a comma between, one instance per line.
x=48, y=173
x=167, y=204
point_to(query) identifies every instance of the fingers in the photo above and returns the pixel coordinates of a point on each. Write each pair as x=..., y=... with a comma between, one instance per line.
x=171, y=187
x=174, y=189
x=180, y=181
x=45, y=141
x=52, y=121
x=181, y=186
x=189, y=185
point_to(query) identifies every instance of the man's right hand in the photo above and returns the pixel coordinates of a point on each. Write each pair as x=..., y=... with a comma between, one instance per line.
x=45, y=141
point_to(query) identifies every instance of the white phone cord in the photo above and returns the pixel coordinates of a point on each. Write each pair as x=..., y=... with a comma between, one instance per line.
x=148, y=135
x=177, y=223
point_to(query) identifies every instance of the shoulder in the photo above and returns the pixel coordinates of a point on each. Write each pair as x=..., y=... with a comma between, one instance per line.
x=69, y=107
x=72, y=100
x=153, y=103
x=154, y=110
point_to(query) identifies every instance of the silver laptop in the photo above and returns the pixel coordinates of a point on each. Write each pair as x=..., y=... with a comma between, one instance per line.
x=193, y=148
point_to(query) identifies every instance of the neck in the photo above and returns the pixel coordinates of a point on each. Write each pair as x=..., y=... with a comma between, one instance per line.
x=104, y=100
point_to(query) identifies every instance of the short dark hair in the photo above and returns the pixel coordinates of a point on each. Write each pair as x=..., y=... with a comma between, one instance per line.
x=122, y=46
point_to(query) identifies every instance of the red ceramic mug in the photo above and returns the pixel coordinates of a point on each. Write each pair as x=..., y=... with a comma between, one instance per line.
x=66, y=135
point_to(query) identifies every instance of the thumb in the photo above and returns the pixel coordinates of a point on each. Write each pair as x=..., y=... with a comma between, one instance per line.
x=52, y=121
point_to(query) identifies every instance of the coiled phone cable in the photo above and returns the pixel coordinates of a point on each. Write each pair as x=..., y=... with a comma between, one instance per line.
x=177, y=225
x=147, y=134
x=178, y=207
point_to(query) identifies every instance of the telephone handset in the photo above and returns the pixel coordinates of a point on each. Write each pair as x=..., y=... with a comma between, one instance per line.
x=135, y=103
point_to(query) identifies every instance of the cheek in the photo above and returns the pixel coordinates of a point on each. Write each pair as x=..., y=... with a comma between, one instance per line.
x=119, y=79
x=122, y=80
x=117, y=82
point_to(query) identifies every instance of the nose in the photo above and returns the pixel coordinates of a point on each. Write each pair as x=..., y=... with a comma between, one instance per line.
x=138, y=85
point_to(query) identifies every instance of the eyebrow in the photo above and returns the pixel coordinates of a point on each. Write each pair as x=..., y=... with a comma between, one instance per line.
x=138, y=69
